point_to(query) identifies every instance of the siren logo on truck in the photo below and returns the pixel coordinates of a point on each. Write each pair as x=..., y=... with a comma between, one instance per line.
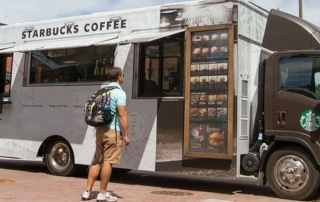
x=310, y=120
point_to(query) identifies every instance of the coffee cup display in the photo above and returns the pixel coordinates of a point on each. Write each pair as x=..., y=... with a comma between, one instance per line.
x=213, y=82
x=213, y=68
x=194, y=70
x=203, y=69
x=223, y=68
x=203, y=79
x=194, y=79
x=222, y=79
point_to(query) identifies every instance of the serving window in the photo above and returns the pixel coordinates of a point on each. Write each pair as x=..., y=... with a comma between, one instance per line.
x=74, y=65
x=161, y=67
x=5, y=75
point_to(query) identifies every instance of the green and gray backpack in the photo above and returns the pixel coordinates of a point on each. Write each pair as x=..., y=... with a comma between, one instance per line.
x=97, y=109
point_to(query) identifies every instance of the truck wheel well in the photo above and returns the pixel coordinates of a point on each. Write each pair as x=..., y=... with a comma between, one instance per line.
x=279, y=144
x=45, y=144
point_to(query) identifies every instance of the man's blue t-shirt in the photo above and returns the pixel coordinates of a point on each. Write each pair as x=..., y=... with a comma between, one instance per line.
x=118, y=98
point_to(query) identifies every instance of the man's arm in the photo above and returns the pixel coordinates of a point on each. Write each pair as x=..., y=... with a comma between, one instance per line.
x=123, y=118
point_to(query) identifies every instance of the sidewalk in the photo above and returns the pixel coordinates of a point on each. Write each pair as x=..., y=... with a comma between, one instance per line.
x=30, y=181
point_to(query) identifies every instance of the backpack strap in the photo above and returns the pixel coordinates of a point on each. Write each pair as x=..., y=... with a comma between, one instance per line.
x=115, y=114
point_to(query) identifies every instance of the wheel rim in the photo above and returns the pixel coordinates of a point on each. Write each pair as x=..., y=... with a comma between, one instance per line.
x=291, y=173
x=60, y=156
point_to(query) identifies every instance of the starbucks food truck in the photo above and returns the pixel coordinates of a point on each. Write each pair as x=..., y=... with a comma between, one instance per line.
x=215, y=88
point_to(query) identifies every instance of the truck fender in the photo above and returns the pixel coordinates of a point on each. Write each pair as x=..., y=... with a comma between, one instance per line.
x=282, y=141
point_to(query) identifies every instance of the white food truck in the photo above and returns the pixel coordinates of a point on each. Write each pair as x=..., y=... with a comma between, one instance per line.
x=207, y=85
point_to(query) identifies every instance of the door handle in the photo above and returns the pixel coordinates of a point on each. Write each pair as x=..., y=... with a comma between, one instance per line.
x=281, y=119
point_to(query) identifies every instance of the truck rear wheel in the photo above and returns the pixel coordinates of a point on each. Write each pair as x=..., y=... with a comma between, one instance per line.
x=59, y=158
x=292, y=174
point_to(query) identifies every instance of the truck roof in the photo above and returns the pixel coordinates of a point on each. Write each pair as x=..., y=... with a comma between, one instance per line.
x=288, y=32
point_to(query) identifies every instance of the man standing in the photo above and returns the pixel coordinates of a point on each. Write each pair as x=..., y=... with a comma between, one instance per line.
x=109, y=140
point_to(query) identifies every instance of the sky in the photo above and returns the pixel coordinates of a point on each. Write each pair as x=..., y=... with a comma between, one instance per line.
x=15, y=11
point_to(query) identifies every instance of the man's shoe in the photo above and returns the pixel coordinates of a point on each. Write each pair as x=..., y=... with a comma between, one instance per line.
x=85, y=195
x=106, y=197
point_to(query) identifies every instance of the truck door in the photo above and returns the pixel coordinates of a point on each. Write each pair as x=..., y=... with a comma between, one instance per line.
x=297, y=96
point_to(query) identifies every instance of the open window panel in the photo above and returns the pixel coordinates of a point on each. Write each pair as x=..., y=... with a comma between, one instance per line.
x=161, y=67
x=5, y=76
x=209, y=94
x=71, y=65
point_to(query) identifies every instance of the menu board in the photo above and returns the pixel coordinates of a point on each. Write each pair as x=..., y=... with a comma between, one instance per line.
x=208, y=107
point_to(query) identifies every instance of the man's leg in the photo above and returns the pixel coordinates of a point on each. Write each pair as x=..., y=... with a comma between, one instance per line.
x=105, y=177
x=92, y=176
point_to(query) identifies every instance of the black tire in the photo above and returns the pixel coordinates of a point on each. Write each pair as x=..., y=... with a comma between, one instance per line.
x=292, y=174
x=59, y=158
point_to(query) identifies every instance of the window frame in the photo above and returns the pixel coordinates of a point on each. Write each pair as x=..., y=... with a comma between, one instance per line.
x=28, y=64
x=301, y=90
x=141, y=69
x=4, y=71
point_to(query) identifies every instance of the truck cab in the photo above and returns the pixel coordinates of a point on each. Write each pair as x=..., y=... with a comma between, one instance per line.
x=289, y=110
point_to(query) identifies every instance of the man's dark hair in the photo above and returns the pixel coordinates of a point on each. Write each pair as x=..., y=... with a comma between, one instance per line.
x=114, y=72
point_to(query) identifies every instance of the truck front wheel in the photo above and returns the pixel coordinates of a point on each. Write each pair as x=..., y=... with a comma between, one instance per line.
x=292, y=174
x=59, y=158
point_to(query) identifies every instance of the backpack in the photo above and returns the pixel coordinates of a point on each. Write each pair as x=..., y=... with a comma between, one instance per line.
x=97, y=109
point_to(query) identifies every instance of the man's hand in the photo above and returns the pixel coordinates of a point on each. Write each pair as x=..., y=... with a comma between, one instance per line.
x=126, y=141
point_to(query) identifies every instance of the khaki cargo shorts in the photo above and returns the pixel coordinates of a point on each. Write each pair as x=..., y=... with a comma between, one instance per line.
x=108, y=146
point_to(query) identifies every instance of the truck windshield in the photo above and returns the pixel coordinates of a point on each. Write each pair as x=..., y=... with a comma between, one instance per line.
x=301, y=75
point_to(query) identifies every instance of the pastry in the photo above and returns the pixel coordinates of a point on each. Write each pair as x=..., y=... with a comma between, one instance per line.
x=194, y=111
x=214, y=37
x=196, y=38
x=212, y=98
x=224, y=49
x=205, y=50
x=212, y=80
x=224, y=36
x=222, y=97
x=197, y=51
x=212, y=111
x=214, y=49
x=203, y=97
x=216, y=139
x=205, y=37
x=203, y=111
x=194, y=80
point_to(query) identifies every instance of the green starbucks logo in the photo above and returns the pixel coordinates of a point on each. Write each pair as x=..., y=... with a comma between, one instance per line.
x=310, y=120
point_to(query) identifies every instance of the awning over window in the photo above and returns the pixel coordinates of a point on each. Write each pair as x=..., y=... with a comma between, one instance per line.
x=70, y=42
x=140, y=37
x=6, y=45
